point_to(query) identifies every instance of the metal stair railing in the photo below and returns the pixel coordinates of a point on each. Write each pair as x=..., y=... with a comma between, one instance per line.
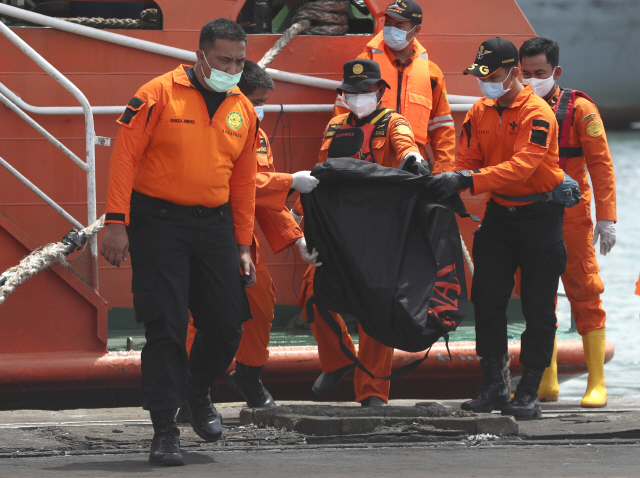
x=90, y=141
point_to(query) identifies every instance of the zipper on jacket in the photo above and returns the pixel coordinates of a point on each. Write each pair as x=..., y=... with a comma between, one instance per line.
x=400, y=73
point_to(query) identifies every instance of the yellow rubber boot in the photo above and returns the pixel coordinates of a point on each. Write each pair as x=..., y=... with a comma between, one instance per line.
x=594, y=345
x=549, y=388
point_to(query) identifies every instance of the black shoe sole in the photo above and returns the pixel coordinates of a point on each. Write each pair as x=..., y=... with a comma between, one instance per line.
x=204, y=436
x=174, y=461
x=494, y=406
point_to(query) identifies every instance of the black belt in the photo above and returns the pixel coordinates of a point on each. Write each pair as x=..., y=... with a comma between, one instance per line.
x=526, y=209
x=195, y=211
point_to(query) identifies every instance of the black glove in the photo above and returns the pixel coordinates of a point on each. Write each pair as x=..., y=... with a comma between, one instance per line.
x=448, y=183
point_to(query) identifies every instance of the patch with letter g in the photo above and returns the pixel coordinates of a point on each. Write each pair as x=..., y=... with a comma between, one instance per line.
x=234, y=120
x=594, y=129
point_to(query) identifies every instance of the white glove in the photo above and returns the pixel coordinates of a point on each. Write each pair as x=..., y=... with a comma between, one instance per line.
x=296, y=217
x=304, y=182
x=310, y=258
x=418, y=157
x=607, y=232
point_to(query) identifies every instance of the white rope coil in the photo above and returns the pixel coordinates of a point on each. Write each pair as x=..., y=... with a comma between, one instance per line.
x=283, y=41
x=41, y=259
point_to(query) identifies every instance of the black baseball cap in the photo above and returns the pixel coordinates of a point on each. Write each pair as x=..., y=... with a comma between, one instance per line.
x=492, y=55
x=405, y=10
x=360, y=75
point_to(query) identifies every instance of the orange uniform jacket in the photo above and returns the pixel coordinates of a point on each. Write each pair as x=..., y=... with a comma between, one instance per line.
x=277, y=224
x=423, y=103
x=587, y=132
x=168, y=148
x=514, y=153
x=388, y=150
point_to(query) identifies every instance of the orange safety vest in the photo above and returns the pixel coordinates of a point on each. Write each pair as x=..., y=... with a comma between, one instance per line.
x=410, y=92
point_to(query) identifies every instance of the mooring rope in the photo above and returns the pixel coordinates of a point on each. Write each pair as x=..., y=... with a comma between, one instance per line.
x=283, y=41
x=41, y=259
x=327, y=17
x=150, y=19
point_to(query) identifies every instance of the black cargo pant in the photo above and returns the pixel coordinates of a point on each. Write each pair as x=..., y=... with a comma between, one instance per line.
x=184, y=259
x=529, y=237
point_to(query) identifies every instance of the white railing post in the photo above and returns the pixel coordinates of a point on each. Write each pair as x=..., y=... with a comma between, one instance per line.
x=89, y=136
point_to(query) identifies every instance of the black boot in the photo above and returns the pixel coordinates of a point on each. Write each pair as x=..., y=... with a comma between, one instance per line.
x=246, y=381
x=494, y=392
x=525, y=404
x=205, y=419
x=165, y=446
x=330, y=380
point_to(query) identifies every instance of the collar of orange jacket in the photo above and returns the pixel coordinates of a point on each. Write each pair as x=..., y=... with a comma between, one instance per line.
x=377, y=43
x=180, y=77
x=522, y=97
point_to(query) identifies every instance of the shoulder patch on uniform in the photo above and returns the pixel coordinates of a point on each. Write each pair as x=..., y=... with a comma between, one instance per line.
x=404, y=129
x=594, y=129
x=135, y=103
x=543, y=123
x=331, y=130
x=539, y=136
x=263, y=146
x=588, y=117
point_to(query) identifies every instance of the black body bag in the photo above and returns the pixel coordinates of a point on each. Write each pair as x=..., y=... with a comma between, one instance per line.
x=391, y=255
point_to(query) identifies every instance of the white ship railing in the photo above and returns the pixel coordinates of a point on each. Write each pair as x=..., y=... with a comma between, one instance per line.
x=458, y=103
x=90, y=138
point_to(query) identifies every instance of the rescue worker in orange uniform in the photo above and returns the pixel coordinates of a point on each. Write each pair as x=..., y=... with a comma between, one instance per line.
x=509, y=147
x=417, y=87
x=374, y=133
x=584, y=152
x=181, y=196
x=281, y=231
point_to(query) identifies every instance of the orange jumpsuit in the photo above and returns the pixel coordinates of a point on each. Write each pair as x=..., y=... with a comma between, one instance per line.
x=388, y=150
x=423, y=95
x=581, y=280
x=281, y=231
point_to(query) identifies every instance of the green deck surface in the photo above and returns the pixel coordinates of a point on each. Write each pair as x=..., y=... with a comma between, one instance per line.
x=122, y=326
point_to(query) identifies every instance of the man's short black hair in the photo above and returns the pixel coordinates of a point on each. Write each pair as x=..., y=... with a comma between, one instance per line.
x=538, y=45
x=254, y=77
x=221, y=28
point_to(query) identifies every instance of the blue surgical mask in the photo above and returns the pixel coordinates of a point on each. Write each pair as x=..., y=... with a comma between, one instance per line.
x=220, y=81
x=493, y=91
x=259, y=111
x=395, y=38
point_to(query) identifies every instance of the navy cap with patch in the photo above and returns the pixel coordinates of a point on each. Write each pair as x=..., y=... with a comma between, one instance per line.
x=360, y=75
x=492, y=55
x=405, y=10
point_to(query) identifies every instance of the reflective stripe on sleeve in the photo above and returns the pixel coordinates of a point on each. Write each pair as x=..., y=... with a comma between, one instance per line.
x=440, y=125
x=441, y=118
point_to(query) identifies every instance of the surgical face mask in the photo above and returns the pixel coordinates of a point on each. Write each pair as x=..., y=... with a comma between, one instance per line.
x=259, y=111
x=363, y=104
x=541, y=86
x=220, y=81
x=493, y=91
x=395, y=38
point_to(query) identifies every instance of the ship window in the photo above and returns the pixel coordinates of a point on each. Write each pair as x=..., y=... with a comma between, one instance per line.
x=108, y=14
x=327, y=17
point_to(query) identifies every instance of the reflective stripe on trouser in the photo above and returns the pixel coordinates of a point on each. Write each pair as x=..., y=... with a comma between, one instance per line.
x=254, y=345
x=532, y=240
x=581, y=280
x=377, y=357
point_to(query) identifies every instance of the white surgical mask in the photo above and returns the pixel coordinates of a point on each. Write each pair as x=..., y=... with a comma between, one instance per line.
x=395, y=38
x=363, y=104
x=541, y=86
x=493, y=91
x=220, y=81
x=259, y=111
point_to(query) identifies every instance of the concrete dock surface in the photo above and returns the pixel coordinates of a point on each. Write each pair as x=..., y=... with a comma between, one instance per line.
x=568, y=441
